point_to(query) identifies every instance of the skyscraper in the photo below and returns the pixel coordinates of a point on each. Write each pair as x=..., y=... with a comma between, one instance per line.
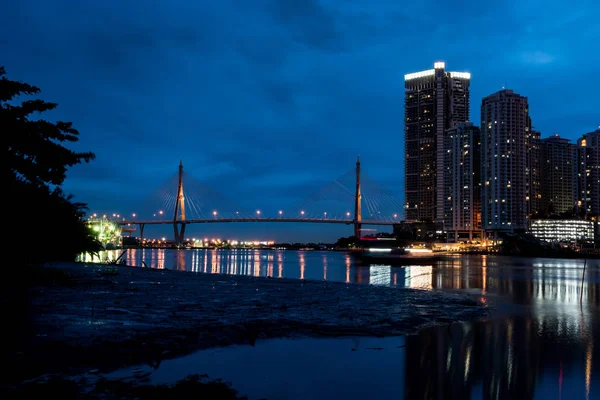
x=435, y=100
x=533, y=189
x=557, y=175
x=505, y=170
x=587, y=174
x=462, y=183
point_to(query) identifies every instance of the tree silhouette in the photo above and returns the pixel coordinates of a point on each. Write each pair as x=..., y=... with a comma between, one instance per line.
x=43, y=223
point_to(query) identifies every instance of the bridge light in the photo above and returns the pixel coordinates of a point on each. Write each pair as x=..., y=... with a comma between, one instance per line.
x=215, y=213
x=347, y=214
x=160, y=212
x=258, y=212
x=395, y=215
x=302, y=212
x=133, y=215
x=280, y=212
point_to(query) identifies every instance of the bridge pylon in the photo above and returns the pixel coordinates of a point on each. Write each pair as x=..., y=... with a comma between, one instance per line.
x=357, y=202
x=179, y=215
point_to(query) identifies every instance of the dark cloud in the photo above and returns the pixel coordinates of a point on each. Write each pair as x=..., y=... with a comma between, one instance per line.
x=309, y=23
x=267, y=101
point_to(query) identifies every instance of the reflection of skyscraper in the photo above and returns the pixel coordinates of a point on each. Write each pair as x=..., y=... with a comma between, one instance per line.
x=440, y=365
x=507, y=358
x=434, y=101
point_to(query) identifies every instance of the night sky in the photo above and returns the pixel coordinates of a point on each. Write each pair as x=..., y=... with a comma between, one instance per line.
x=267, y=101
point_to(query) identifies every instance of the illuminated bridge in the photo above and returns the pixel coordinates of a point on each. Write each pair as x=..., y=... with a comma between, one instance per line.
x=357, y=207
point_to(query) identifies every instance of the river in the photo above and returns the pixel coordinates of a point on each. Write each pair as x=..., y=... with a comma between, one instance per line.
x=541, y=341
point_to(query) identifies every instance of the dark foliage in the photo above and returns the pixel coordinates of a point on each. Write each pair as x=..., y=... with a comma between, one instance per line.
x=44, y=224
x=529, y=246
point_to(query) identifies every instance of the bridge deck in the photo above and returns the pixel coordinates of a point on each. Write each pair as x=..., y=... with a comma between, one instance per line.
x=288, y=220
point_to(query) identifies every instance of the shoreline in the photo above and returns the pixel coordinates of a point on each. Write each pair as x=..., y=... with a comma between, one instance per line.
x=86, y=316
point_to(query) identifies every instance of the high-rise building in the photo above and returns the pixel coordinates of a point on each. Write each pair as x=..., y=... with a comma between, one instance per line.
x=462, y=166
x=435, y=100
x=586, y=182
x=533, y=190
x=506, y=173
x=557, y=175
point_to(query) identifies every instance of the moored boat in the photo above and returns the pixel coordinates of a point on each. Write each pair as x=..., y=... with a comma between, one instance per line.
x=405, y=256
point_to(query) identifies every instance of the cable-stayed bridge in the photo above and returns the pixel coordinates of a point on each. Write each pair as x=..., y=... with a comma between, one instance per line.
x=350, y=199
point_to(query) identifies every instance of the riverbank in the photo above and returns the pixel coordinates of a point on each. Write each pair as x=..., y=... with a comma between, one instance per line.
x=72, y=318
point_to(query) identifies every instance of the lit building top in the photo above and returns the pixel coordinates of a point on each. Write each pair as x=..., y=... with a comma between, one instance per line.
x=431, y=72
x=460, y=75
x=422, y=74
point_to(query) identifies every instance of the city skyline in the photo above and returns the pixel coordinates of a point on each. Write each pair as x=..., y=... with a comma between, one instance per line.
x=279, y=112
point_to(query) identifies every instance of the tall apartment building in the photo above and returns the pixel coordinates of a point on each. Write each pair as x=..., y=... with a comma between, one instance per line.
x=435, y=100
x=462, y=166
x=557, y=175
x=533, y=188
x=506, y=175
x=586, y=182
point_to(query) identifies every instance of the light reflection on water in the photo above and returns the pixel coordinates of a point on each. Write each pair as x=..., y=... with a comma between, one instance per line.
x=542, y=343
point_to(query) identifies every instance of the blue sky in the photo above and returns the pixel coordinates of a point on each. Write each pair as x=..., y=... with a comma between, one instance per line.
x=267, y=101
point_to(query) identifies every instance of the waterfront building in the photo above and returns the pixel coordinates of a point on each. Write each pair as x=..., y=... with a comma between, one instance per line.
x=462, y=212
x=435, y=100
x=533, y=190
x=574, y=231
x=557, y=175
x=509, y=163
x=586, y=180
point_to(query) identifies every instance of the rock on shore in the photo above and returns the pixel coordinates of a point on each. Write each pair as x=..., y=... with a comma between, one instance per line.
x=94, y=316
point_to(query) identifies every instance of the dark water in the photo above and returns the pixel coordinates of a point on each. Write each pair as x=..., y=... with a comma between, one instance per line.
x=542, y=341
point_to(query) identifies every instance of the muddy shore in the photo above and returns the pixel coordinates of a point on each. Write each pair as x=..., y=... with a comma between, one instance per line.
x=75, y=317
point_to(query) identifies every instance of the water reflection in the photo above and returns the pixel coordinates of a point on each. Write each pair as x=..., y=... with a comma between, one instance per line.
x=501, y=359
x=541, y=345
x=527, y=281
